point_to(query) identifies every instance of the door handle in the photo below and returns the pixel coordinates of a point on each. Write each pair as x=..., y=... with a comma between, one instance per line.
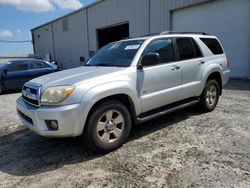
x=175, y=67
x=201, y=62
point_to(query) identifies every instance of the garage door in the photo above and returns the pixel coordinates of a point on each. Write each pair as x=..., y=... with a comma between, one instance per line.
x=229, y=21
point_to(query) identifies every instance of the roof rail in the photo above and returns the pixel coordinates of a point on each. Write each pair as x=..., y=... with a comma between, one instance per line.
x=178, y=32
x=169, y=33
x=152, y=34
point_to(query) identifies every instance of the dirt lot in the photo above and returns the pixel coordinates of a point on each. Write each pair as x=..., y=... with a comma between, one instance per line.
x=184, y=149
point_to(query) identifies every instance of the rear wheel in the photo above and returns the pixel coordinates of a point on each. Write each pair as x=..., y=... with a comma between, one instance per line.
x=108, y=127
x=210, y=96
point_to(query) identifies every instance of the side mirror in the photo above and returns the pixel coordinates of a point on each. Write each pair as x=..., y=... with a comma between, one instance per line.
x=150, y=59
x=82, y=59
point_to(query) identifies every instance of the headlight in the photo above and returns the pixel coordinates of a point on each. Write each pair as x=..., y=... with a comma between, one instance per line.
x=54, y=95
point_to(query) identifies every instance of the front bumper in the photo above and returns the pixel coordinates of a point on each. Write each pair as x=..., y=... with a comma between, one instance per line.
x=68, y=118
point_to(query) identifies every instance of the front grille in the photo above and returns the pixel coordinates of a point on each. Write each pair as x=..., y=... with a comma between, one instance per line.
x=31, y=101
x=31, y=89
x=25, y=117
x=31, y=94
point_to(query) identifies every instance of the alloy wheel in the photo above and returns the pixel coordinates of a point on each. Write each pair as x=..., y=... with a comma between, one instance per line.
x=211, y=95
x=110, y=126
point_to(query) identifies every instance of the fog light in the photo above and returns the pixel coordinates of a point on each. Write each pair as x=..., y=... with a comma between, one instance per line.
x=52, y=124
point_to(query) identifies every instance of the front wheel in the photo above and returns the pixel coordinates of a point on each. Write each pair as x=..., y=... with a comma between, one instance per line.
x=210, y=96
x=108, y=127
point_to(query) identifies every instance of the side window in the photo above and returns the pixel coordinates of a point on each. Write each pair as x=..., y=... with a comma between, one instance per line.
x=164, y=47
x=18, y=66
x=197, y=50
x=38, y=64
x=185, y=48
x=213, y=45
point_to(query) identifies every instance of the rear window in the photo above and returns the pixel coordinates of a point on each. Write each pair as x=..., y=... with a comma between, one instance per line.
x=213, y=45
x=38, y=64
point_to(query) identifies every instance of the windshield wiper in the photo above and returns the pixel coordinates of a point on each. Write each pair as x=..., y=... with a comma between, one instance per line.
x=106, y=65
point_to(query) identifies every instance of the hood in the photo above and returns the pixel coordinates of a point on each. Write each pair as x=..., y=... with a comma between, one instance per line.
x=74, y=76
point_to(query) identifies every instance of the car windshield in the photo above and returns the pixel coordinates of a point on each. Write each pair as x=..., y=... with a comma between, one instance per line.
x=118, y=54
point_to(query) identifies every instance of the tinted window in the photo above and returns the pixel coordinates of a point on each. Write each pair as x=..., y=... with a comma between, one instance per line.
x=18, y=66
x=213, y=45
x=164, y=47
x=120, y=54
x=38, y=64
x=197, y=50
x=185, y=48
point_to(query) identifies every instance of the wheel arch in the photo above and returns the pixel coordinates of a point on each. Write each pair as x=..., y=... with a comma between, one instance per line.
x=123, y=98
x=212, y=71
x=122, y=91
x=216, y=76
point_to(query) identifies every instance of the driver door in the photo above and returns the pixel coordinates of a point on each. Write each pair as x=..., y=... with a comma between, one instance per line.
x=160, y=84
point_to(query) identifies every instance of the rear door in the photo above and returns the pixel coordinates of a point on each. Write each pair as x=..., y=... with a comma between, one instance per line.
x=192, y=63
x=160, y=84
x=38, y=68
x=16, y=75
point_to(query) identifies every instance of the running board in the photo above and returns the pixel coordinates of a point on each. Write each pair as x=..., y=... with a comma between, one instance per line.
x=166, y=110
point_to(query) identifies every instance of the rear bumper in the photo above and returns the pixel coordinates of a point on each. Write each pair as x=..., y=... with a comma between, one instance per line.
x=68, y=118
x=225, y=77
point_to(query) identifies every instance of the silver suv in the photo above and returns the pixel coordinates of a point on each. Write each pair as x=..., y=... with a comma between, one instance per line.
x=125, y=83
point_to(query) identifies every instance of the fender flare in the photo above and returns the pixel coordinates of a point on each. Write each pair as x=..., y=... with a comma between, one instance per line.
x=212, y=68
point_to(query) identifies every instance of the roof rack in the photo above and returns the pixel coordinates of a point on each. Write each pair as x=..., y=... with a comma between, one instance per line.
x=169, y=33
x=152, y=34
x=177, y=32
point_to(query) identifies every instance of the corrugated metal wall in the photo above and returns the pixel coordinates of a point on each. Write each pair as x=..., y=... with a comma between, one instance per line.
x=231, y=26
x=72, y=44
x=43, y=41
x=160, y=17
x=111, y=12
x=144, y=17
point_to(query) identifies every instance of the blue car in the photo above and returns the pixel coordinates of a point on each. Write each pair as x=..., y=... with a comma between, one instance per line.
x=14, y=74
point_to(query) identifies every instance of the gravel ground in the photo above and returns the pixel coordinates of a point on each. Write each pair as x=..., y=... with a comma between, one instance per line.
x=183, y=149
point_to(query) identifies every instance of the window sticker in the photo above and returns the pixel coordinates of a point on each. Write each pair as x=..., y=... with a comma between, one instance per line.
x=132, y=47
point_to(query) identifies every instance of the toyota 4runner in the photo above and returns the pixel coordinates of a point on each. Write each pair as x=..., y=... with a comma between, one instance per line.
x=127, y=82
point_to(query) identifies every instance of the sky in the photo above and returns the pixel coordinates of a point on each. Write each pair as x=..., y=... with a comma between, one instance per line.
x=18, y=17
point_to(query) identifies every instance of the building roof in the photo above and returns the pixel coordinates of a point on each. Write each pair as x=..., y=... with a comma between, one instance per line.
x=71, y=13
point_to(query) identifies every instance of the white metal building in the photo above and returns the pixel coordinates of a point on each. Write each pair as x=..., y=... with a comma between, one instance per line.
x=82, y=32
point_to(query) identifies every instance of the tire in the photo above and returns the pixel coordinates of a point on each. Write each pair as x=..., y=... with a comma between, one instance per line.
x=1, y=89
x=108, y=127
x=210, y=96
